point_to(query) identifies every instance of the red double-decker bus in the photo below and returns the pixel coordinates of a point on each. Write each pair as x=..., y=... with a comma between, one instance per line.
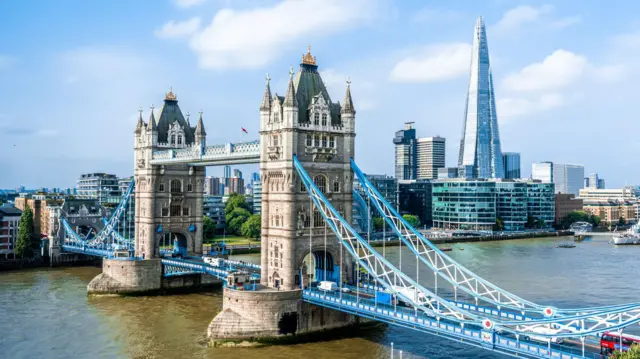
x=611, y=341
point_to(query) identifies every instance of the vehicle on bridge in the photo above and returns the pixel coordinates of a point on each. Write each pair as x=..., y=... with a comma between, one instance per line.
x=328, y=285
x=612, y=341
x=541, y=330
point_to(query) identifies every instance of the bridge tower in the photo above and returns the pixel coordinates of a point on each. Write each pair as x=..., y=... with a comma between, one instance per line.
x=321, y=133
x=168, y=198
x=306, y=123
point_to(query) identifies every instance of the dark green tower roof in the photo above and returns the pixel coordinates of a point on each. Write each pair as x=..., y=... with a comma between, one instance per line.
x=169, y=114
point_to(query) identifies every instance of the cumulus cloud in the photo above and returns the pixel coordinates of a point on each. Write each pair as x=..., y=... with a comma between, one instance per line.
x=434, y=63
x=254, y=37
x=525, y=15
x=175, y=29
x=510, y=107
x=189, y=3
x=557, y=70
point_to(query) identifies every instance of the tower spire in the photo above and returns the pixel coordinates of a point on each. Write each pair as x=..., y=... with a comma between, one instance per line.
x=266, y=98
x=290, y=97
x=140, y=123
x=347, y=107
x=200, y=126
x=152, y=120
x=480, y=150
x=187, y=119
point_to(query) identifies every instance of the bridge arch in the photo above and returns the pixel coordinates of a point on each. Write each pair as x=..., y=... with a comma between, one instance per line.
x=314, y=266
x=171, y=240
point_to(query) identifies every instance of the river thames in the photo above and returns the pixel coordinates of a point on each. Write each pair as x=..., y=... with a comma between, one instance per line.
x=46, y=312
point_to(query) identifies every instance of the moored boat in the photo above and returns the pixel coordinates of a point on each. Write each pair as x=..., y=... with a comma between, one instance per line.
x=626, y=238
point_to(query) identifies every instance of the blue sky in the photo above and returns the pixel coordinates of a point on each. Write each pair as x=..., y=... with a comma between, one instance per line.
x=74, y=73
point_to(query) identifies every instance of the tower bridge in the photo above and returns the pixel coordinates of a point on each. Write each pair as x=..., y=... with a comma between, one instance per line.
x=306, y=156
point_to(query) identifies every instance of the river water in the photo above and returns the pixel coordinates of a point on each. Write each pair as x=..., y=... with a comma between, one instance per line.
x=47, y=314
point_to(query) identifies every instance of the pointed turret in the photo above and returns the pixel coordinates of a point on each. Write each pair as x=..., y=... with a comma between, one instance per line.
x=187, y=119
x=140, y=125
x=153, y=126
x=266, y=98
x=200, y=133
x=290, y=98
x=347, y=107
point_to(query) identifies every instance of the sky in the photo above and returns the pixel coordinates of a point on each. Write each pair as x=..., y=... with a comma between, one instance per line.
x=74, y=73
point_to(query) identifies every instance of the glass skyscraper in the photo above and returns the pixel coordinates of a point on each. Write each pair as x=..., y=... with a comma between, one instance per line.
x=480, y=145
x=511, y=162
x=406, y=161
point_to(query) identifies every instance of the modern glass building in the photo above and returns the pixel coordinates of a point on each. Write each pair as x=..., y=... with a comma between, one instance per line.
x=542, y=171
x=464, y=204
x=541, y=203
x=460, y=204
x=406, y=161
x=101, y=186
x=568, y=178
x=415, y=198
x=511, y=162
x=480, y=143
x=430, y=156
x=511, y=204
x=387, y=186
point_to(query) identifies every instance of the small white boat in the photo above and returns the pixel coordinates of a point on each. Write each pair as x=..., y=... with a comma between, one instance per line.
x=626, y=238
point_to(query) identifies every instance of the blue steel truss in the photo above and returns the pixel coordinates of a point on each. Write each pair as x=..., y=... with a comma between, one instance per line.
x=366, y=221
x=470, y=283
x=576, y=326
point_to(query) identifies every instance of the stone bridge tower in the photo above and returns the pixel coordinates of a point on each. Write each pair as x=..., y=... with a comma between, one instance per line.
x=305, y=122
x=168, y=198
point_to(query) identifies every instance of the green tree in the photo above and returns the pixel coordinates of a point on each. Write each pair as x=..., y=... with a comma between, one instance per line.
x=208, y=228
x=540, y=223
x=378, y=224
x=633, y=353
x=499, y=226
x=413, y=220
x=236, y=200
x=24, y=247
x=622, y=221
x=236, y=219
x=531, y=222
x=252, y=227
x=595, y=220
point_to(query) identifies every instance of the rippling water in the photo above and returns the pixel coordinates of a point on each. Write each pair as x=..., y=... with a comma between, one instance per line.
x=47, y=314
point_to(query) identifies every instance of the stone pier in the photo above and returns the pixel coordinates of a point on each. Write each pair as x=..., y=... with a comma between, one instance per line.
x=266, y=316
x=143, y=277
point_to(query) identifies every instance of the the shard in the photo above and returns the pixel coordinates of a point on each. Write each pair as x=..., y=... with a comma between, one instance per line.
x=480, y=154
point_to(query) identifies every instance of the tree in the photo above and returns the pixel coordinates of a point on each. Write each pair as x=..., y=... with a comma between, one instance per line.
x=499, y=226
x=622, y=221
x=236, y=200
x=24, y=246
x=208, y=228
x=378, y=224
x=413, y=220
x=633, y=353
x=531, y=222
x=595, y=221
x=252, y=227
x=236, y=219
x=540, y=223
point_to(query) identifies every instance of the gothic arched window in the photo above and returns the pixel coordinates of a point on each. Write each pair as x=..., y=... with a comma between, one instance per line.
x=276, y=117
x=176, y=186
x=309, y=140
x=332, y=142
x=324, y=119
x=316, y=141
x=173, y=140
x=316, y=118
x=324, y=141
x=336, y=186
x=321, y=182
x=179, y=140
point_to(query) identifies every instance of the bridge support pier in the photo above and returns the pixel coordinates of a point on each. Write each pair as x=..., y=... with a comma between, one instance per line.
x=122, y=276
x=250, y=318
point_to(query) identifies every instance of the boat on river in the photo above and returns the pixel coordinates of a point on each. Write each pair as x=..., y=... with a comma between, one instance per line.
x=566, y=245
x=626, y=238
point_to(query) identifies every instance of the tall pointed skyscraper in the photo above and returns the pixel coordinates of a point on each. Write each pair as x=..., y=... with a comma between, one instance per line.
x=480, y=154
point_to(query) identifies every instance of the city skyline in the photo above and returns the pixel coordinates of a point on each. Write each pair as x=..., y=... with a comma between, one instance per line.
x=106, y=76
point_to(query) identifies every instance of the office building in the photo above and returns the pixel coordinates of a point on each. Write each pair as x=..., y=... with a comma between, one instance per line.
x=405, y=146
x=565, y=204
x=227, y=172
x=511, y=162
x=387, y=186
x=477, y=204
x=256, y=188
x=212, y=186
x=101, y=186
x=415, y=198
x=568, y=178
x=430, y=152
x=236, y=185
x=9, y=219
x=447, y=172
x=237, y=173
x=214, y=209
x=123, y=184
x=542, y=171
x=480, y=143
x=594, y=181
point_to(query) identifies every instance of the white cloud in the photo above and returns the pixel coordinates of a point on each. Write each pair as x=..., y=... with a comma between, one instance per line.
x=435, y=63
x=253, y=38
x=509, y=107
x=557, y=70
x=175, y=29
x=521, y=15
x=189, y=3
x=526, y=15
